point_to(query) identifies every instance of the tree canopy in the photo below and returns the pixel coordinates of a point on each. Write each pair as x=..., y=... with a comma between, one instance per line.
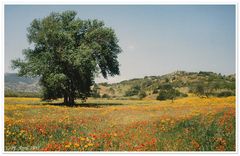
x=167, y=91
x=68, y=53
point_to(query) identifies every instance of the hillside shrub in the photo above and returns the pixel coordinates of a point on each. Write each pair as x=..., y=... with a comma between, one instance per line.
x=142, y=94
x=95, y=91
x=96, y=95
x=133, y=91
x=105, y=96
x=162, y=95
x=104, y=84
x=168, y=94
x=225, y=94
x=183, y=95
x=155, y=91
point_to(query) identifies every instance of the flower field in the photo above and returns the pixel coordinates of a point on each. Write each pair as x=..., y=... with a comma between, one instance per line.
x=188, y=124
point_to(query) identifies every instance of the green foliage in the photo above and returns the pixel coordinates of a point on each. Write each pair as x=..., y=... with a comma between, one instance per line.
x=155, y=91
x=183, y=95
x=165, y=86
x=199, y=90
x=96, y=95
x=225, y=94
x=67, y=54
x=146, y=83
x=105, y=96
x=142, y=94
x=163, y=95
x=104, y=84
x=111, y=90
x=167, y=92
x=203, y=73
x=134, y=90
x=166, y=80
x=204, y=90
x=95, y=91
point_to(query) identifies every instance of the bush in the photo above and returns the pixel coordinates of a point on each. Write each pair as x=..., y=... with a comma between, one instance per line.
x=111, y=91
x=165, y=86
x=142, y=94
x=96, y=95
x=105, y=96
x=199, y=90
x=183, y=95
x=225, y=94
x=168, y=94
x=133, y=91
x=104, y=84
x=162, y=95
x=155, y=91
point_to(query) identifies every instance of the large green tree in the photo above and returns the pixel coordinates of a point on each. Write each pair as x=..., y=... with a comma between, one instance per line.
x=67, y=53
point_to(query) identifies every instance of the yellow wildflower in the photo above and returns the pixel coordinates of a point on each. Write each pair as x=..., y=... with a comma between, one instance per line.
x=67, y=146
x=76, y=145
x=90, y=144
x=82, y=138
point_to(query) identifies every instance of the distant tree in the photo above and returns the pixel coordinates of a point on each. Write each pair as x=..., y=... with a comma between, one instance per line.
x=203, y=73
x=204, y=90
x=173, y=93
x=225, y=94
x=174, y=78
x=142, y=94
x=168, y=92
x=165, y=86
x=183, y=94
x=111, y=90
x=166, y=80
x=104, y=84
x=95, y=91
x=105, y=96
x=162, y=95
x=199, y=90
x=67, y=53
x=146, y=83
x=134, y=90
x=155, y=91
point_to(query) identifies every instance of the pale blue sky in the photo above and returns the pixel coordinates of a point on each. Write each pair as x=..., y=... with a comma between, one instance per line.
x=156, y=39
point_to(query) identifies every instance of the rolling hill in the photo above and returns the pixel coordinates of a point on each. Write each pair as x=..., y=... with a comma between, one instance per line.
x=184, y=82
x=16, y=83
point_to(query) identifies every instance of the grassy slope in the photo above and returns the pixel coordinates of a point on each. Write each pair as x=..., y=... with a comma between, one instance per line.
x=188, y=124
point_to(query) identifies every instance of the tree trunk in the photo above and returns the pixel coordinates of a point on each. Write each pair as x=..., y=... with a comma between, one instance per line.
x=65, y=99
x=68, y=100
x=71, y=101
